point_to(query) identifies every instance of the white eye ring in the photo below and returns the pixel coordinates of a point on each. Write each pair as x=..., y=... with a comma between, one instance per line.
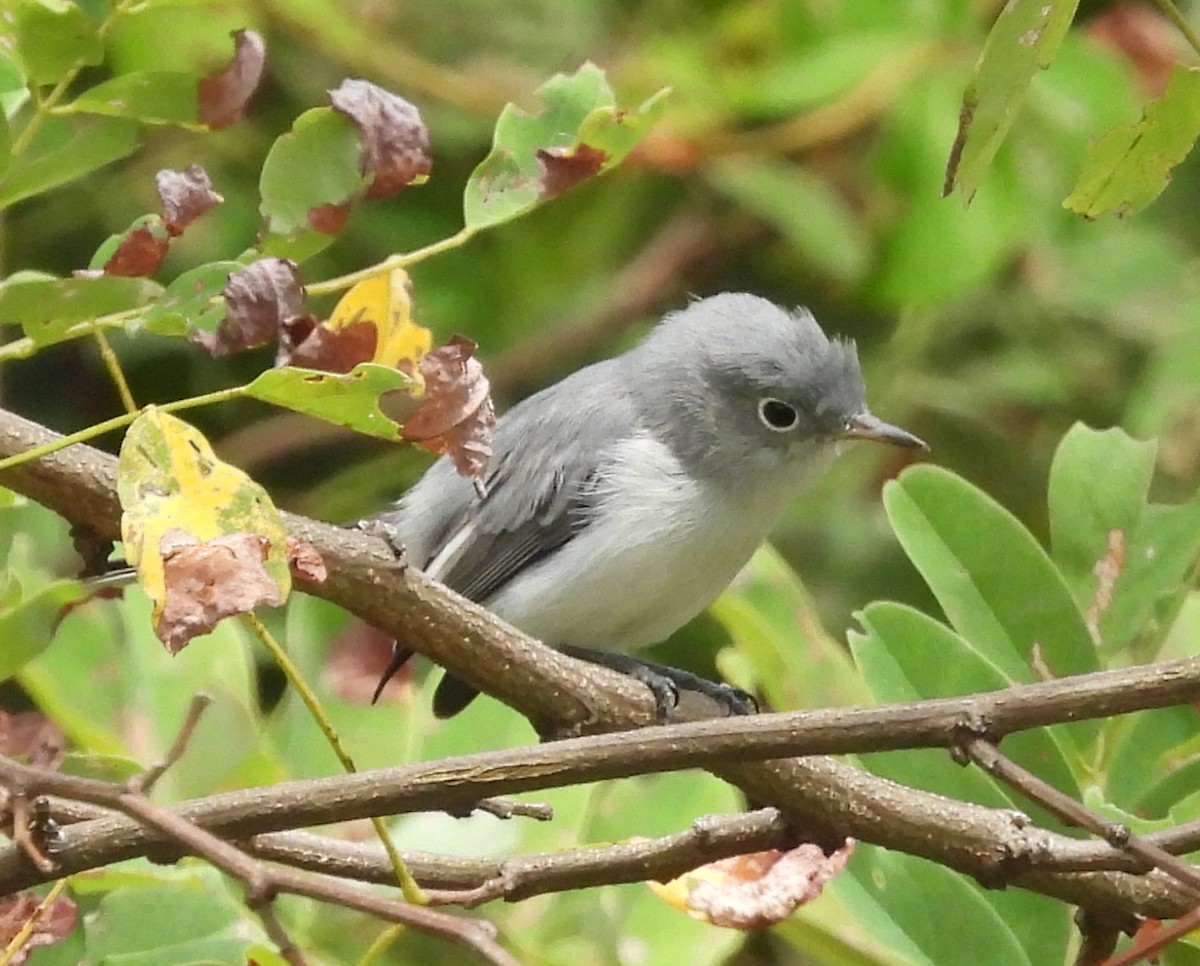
x=776, y=415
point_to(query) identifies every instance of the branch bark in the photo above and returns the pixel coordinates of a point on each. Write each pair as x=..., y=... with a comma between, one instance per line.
x=823, y=799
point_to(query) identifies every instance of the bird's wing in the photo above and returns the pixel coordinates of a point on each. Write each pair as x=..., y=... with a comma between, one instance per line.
x=549, y=453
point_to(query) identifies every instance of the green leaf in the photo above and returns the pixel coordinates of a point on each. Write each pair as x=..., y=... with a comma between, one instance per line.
x=349, y=399
x=309, y=175
x=808, y=212
x=1131, y=165
x=47, y=308
x=848, y=927
x=66, y=149
x=169, y=916
x=1121, y=556
x=53, y=36
x=905, y=655
x=191, y=301
x=106, y=768
x=995, y=584
x=910, y=890
x=1098, y=483
x=1022, y=41
x=28, y=623
x=154, y=97
x=1146, y=751
x=13, y=90
x=772, y=619
x=580, y=115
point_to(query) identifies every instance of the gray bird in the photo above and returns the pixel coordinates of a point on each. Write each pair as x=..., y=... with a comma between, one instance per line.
x=621, y=501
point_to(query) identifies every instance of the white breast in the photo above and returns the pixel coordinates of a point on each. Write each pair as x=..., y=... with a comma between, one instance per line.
x=661, y=550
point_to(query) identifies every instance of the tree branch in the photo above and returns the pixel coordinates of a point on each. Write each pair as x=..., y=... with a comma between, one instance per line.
x=825, y=799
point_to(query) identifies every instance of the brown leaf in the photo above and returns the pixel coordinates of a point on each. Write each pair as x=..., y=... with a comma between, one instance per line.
x=329, y=218
x=564, y=168
x=185, y=196
x=259, y=300
x=33, y=736
x=760, y=889
x=223, y=96
x=54, y=924
x=207, y=581
x=395, y=142
x=305, y=562
x=456, y=415
x=140, y=253
x=316, y=346
x=359, y=656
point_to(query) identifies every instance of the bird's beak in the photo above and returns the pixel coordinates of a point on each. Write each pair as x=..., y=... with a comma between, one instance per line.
x=865, y=426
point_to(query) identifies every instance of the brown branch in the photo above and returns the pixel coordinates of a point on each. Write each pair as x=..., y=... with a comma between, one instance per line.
x=262, y=882
x=145, y=781
x=825, y=798
x=985, y=754
x=512, y=878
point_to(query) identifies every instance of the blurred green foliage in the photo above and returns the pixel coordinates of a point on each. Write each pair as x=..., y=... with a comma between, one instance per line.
x=801, y=154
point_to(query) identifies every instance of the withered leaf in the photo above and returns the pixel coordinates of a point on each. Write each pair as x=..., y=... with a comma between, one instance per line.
x=222, y=97
x=316, y=346
x=259, y=300
x=329, y=219
x=395, y=142
x=33, y=736
x=563, y=168
x=456, y=415
x=209, y=580
x=54, y=925
x=139, y=254
x=305, y=561
x=761, y=889
x=185, y=196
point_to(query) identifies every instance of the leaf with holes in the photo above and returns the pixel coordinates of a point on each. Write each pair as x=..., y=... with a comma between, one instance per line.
x=370, y=398
x=579, y=133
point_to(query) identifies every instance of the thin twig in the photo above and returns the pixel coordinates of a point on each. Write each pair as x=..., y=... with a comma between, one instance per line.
x=1147, y=946
x=985, y=754
x=145, y=781
x=115, y=372
x=408, y=885
x=509, y=808
x=255, y=877
x=21, y=937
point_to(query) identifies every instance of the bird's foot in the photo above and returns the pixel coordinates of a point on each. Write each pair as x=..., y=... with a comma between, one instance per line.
x=666, y=682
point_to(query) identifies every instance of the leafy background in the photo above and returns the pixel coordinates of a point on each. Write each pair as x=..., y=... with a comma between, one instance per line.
x=800, y=155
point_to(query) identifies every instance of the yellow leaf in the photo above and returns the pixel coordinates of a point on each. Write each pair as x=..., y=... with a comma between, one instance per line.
x=386, y=302
x=175, y=492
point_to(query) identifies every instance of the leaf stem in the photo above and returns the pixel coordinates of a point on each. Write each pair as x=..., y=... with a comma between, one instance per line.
x=115, y=372
x=24, y=347
x=45, y=106
x=408, y=885
x=17, y=943
x=118, y=422
x=401, y=260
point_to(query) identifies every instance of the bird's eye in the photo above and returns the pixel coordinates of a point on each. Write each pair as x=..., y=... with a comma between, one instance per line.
x=777, y=415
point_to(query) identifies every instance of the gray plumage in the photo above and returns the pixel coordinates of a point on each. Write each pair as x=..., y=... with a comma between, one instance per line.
x=622, y=500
